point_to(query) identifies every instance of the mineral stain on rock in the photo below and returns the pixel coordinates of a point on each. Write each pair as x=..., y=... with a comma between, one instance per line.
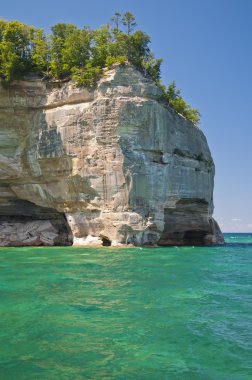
x=109, y=166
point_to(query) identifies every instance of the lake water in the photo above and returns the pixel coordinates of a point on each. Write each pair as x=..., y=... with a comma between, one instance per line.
x=164, y=313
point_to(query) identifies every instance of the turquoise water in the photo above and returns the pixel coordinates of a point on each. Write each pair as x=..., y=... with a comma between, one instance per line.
x=164, y=313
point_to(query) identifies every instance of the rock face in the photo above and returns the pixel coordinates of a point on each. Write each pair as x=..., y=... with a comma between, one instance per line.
x=111, y=166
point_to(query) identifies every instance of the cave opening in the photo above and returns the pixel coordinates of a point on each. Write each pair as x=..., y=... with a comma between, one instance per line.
x=25, y=223
x=106, y=242
x=194, y=237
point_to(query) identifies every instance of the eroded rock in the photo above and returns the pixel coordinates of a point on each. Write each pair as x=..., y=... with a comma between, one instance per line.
x=116, y=163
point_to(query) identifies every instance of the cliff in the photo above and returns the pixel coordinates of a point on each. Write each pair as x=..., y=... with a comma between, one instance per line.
x=114, y=165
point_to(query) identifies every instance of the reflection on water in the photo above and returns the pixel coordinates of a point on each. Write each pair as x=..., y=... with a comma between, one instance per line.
x=165, y=313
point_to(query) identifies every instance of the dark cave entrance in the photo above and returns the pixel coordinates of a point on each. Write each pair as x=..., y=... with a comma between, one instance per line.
x=29, y=216
x=106, y=242
x=194, y=237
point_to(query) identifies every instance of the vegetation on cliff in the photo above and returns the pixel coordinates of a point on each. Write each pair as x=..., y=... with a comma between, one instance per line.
x=81, y=54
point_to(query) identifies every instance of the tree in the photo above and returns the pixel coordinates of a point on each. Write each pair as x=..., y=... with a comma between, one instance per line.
x=175, y=100
x=60, y=32
x=152, y=68
x=76, y=49
x=172, y=92
x=15, y=50
x=100, y=50
x=138, y=47
x=87, y=76
x=129, y=21
x=3, y=25
x=40, y=53
x=11, y=66
x=116, y=20
x=81, y=54
x=119, y=44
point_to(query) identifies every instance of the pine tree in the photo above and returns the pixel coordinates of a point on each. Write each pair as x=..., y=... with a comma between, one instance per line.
x=116, y=20
x=129, y=21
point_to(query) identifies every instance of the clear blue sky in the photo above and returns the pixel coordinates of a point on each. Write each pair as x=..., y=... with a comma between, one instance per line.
x=207, y=49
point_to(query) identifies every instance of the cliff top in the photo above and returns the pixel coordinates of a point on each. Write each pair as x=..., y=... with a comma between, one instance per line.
x=82, y=54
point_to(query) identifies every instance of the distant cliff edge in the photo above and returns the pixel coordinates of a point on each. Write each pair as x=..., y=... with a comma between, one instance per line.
x=111, y=166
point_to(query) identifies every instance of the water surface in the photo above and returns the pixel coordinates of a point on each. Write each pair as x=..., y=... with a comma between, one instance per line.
x=164, y=313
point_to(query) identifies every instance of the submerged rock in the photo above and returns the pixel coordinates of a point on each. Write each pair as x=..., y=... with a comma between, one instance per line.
x=115, y=165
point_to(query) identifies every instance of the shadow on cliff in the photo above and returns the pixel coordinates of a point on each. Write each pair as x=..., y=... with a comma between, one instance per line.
x=23, y=216
x=43, y=159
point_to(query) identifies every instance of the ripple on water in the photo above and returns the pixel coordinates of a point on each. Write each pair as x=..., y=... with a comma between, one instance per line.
x=165, y=313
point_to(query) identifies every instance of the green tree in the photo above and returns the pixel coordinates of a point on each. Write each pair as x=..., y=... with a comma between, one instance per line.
x=40, y=53
x=81, y=54
x=116, y=19
x=76, y=50
x=152, y=67
x=138, y=48
x=102, y=40
x=175, y=100
x=3, y=25
x=129, y=21
x=87, y=76
x=11, y=66
x=118, y=46
x=15, y=50
x=172, y=92
x=60, y=32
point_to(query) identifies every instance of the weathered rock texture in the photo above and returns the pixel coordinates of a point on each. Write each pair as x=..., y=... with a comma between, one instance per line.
x=114, y=165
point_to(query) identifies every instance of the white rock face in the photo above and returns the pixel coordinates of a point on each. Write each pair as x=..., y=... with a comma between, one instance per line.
x=111, y=166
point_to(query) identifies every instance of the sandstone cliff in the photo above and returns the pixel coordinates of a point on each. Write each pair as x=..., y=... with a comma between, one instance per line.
x=114, y=165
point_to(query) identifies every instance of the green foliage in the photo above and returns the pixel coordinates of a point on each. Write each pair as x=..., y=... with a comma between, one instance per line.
x=61, y=34
x=116, y=19
x=129, y=21
x=15, y=49
x=3, y=25
x=87, y=76
x=152, y=67
x=175, y=100
x=110, y=61
x=11, y=64
x=82, y=54
x=70, y=49
x=101, y=46
x=76, y=50
x=40, y=53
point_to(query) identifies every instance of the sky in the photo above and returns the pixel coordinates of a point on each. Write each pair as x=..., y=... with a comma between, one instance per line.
x=206, y=47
